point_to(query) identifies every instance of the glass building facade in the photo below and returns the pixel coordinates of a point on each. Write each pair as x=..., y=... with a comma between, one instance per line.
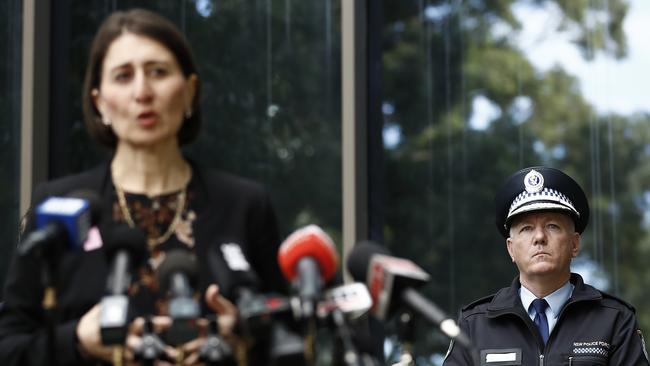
x=10, y=113
x=473, y=91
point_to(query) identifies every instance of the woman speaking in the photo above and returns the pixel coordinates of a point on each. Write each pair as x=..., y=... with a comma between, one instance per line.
x=141, y=99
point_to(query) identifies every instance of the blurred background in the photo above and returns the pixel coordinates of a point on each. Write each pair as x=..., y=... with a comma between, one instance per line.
x=450, y=98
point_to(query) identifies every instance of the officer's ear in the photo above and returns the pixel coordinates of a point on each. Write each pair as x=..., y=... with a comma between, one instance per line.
x=575, y=244
x=510, y=250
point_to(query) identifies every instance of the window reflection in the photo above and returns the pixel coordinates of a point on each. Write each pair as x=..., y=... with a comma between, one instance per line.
x=10, y=70
x=271, y=95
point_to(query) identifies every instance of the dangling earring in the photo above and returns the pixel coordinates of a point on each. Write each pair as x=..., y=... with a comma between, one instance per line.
x=188, y=113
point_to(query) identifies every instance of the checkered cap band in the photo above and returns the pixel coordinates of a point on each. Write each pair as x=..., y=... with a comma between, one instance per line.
x=546, y=199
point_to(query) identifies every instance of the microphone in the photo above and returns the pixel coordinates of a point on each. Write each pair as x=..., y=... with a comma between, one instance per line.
x=238, y=282
x=257, y=312
x=392, y=282
x=308, y=259
x=62, y=221
x=177, y=276
x=353, y=300
x=232, y=271
x=342, y=304
x=126, y=249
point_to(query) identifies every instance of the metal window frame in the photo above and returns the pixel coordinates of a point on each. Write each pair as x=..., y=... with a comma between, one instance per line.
x=361, y=123
x=35, y=98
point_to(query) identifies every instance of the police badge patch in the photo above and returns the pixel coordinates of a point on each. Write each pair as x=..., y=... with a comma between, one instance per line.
x=591, y=350
x=534, y=181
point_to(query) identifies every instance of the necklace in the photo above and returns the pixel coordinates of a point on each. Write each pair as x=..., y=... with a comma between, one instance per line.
x=153, y=242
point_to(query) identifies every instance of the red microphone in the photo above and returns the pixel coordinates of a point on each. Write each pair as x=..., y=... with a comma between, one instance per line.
x=308, y=259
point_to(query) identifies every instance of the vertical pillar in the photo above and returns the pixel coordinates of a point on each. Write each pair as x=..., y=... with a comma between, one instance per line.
x=354, y=122
x=35, y=98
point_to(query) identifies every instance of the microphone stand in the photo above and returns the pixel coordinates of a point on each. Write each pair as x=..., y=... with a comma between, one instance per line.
x=406, y=333
x=49, y=305
x=350, y=353
x=430, y=312
x=287, y=348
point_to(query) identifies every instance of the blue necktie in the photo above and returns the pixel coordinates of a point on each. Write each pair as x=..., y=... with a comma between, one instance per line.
x=540, y=320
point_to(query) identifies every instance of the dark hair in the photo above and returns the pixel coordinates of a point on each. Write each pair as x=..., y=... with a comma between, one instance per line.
x=143, y=23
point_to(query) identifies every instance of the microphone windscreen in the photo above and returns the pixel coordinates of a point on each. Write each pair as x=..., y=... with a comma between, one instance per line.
x=309, y=241
x=123, y=237
x=360, y=256
x=177, y=261
x=94, y=203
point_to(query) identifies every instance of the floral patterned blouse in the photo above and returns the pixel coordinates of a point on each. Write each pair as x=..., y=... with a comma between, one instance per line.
x=154, y=215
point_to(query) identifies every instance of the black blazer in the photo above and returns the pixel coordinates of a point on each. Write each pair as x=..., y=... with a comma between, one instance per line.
x=228, y=208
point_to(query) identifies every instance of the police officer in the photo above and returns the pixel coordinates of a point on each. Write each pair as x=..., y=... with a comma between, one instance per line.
x=548, y=315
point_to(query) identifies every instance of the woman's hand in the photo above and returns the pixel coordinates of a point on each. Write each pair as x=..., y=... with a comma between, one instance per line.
x=157, y=325
x=226, y=318
x=89, y=336
x=90, y=340
x=226, y=310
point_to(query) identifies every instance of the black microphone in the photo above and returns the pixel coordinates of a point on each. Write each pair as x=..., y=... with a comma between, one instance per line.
x=345, y=304
x=62, y=222
x=239, y=283
x=232, y=271
x=177, y=276
x=392, y=282
x=262, y=317
x=126, y=249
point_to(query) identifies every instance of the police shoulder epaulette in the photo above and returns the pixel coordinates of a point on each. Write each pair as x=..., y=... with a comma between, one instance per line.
x=618, y=300
x=478, y=302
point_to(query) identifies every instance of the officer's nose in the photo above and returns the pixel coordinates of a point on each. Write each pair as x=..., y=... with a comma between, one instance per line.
x=539, y=235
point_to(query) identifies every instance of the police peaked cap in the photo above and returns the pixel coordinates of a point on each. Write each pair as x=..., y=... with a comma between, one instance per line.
x=540, y=188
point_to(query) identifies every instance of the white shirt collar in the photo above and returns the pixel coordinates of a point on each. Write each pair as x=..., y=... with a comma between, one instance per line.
x=556, y=300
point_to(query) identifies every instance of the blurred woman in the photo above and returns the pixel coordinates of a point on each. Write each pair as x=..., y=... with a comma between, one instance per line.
x=141, y=99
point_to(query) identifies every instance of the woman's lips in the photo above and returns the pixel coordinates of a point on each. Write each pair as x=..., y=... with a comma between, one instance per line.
x=147, y=119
